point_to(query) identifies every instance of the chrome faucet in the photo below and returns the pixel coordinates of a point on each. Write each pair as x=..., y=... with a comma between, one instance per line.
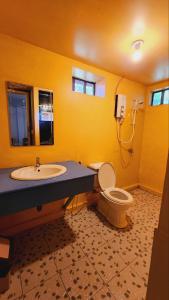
x=37, y=164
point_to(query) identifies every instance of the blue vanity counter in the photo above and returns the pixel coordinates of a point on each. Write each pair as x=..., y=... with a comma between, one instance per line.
x=16, y=195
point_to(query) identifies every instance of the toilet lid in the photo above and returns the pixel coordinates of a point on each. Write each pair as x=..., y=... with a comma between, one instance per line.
x=106, y=176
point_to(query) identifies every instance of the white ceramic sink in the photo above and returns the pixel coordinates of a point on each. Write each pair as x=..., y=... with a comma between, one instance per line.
x=38, y=173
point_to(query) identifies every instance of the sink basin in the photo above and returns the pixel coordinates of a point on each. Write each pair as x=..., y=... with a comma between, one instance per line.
x=38, y=173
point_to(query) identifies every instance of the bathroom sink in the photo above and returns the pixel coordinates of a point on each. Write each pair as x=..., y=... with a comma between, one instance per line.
x=38, y=173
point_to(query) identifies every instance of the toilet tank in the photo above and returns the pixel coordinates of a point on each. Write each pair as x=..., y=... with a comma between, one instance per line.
x=96, y=166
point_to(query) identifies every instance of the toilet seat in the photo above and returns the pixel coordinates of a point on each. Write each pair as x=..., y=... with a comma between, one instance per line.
x=107, y=181
x=123, y=198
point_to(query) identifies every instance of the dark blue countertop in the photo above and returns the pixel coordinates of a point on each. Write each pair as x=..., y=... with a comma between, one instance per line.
x=74, y=170
x=17, y=195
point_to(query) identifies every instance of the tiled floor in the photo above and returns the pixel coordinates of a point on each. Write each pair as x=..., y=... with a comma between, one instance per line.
x=83, y=257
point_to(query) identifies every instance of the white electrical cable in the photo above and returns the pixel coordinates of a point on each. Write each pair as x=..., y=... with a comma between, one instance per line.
x=134, y=111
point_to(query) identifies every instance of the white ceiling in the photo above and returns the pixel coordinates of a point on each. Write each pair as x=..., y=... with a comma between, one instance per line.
x=97, y=32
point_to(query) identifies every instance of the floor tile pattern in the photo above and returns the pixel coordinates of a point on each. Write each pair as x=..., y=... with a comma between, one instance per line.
x=81, y=256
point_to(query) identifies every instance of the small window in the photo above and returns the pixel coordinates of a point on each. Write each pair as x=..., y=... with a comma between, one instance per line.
x=83, y=86
x=78, y=85
x=166, y=97
x=160, y=97
x=90, y=88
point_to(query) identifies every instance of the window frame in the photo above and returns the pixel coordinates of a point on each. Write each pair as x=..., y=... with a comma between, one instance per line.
x=162, y=96
x=85, y=82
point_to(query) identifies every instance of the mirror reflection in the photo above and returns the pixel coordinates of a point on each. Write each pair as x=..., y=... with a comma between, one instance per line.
x=20, y=115
x=23, y=101
x=46, y=117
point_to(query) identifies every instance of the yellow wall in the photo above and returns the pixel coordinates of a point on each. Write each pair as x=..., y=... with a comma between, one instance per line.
x=84, y=126
x=155, y=142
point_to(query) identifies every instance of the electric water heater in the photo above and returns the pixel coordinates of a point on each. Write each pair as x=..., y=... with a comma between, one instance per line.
x=120, y=106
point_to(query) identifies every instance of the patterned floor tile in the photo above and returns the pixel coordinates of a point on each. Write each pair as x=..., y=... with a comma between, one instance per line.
x=127, y=285
x=51, y=289
x=81, y=280
x=60, y=226
x=29, y=247
x=58, y=234
x=103, y=294
x=90, y=239
x=88, y=252
x=31, y=236
x=127, y=247
x=15, y=290
x=68, y=255
x=107, y=230
x=106, y=261
x=141, y=266
x=36, y=272
x=85, y=219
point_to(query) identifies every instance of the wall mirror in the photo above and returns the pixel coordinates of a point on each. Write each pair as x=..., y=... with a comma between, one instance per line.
x=30, y=115
x=46, y=117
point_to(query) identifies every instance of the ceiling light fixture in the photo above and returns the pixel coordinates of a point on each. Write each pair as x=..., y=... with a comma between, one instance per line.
x=137, y=50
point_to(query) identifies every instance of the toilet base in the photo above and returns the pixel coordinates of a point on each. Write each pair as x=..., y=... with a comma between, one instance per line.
x=117, y=217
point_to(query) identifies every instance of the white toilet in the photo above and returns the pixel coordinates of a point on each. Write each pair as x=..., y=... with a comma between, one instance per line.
x=114, y=201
